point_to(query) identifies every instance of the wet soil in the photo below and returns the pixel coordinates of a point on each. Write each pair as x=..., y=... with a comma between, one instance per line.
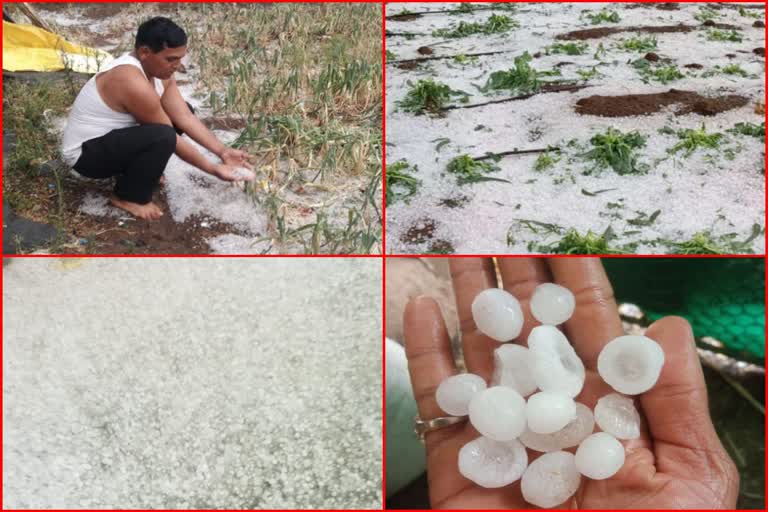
x=408, y=66
x=403, y=17
x=644, y=104
x=694, y=66
x=425, y=50
x=723, y=26
x=454, y=202
x=651, y=57
x=441, y=247
x=596, y=33
x=759, y=51
x=422, y=231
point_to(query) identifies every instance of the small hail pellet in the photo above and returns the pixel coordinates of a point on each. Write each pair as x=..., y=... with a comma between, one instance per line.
x=498, y=413
x=454, y=393
x=552, y=304
x=491, y=463
x=599, y=456
x=631, y=364
x=554, y=364
x=497, y=314
x=550, y=480
x=618, y=416
x=512, y=369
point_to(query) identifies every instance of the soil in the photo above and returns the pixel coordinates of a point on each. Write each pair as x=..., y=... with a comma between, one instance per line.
x=644, y=104
x=759, y=51
x=723, y=26
x=596, y=33
x=651, y=57
x=454, y=202
x=425, y=50
x=759, y=24
x=694, y=66
x=668, y=6
x=441, y=247
x=422, y=231
x=410, y=65
x=562, y=64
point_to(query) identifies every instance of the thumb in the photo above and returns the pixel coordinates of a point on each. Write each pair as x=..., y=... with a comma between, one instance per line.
x=685, y=442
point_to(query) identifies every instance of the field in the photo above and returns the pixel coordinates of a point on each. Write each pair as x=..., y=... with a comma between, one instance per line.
x=296, y=85
x=575, y=128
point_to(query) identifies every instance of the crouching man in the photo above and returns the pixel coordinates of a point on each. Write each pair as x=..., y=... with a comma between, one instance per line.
x=127, y=121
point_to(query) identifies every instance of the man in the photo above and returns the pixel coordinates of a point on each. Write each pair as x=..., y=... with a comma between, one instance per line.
x=127, y=120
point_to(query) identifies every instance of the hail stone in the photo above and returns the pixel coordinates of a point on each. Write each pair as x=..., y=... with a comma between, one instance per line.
x=552, y=304
x=554, y=364
x=550, y=480
x=548, y=412
x=617, y=415
x=497, y=314
x=599, y=456
x=631, y=364
x=491, y=463
x=498, y=413
x=512, y=369
x=570, y=435
x=454, y=393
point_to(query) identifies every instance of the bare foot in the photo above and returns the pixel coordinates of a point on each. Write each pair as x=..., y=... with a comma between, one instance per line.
x=149, y=211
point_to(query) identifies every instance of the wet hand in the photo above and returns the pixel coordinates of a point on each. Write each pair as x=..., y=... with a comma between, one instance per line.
x=237, y=158
x=233, y=173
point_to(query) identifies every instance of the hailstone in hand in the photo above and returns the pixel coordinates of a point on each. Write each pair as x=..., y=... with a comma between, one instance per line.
x=631, y=364
x=512, y=369
x=498, y=413
x=599, y=456
x=552, y=304
x=549, y=412
x=491, y=463
x=570, y=435
x=617, y=415
x=497, y=314
x=454, y=393
x=554, y=363
x=550, y=480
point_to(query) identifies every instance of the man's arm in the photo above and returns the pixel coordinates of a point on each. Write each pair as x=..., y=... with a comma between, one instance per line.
x=178, y=111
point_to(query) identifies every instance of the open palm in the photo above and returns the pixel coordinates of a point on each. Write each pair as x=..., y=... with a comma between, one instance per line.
x=678, y=461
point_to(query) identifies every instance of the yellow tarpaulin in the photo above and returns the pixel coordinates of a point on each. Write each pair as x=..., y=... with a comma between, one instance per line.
x=30, y=48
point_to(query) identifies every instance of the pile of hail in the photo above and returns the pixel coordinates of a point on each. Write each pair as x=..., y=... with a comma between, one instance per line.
x=551, y=375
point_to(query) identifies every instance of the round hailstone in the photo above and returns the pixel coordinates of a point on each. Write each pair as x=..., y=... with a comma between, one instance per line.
x=554, y=364
x=552, y=304
x=599, y=456
x=454, y=393
x=550, y=480
x=631, y=364
x=617, y=415
x=512, y=369
x=492, y=464
x=498, y=413
x=570, y=435
x=548, y=412
x=497, y=314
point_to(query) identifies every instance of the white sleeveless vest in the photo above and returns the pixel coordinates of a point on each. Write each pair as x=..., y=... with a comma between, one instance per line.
x=91, y=118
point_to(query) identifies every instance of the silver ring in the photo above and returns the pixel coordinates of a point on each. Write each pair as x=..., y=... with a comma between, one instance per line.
x=422, y=427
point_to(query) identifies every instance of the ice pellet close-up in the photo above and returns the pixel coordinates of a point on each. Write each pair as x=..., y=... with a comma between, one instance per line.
x=454, y=393
x=550, y=373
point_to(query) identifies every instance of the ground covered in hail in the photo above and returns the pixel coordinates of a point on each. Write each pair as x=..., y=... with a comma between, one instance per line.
x=567, y=128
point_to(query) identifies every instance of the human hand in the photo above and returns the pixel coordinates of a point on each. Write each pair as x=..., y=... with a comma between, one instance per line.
x=236, y=158
x=678, y=461
x=232, y=173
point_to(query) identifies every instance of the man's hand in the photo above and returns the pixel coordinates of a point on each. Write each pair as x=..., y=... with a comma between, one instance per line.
x=232, y=173
x=237, y=158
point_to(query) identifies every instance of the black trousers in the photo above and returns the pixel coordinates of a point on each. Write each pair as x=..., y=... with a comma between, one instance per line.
x=137, y=156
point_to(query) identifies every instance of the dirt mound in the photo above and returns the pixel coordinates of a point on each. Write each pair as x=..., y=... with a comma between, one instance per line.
x=425, y=50
x=759, y=51
x=403, y=17
x=422, y=231
x=668, y=6
x=694, y=66
x=645, y=104
x=759, y=24
x=596, y=33
x=723, y=26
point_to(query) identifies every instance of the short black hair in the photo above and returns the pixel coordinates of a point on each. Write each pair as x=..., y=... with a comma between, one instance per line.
x=160, y=33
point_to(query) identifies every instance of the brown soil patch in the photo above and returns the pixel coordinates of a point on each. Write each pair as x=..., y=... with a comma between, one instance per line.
x=651, y=57
x=403, y=17
x=441, y=247
x=694, y=66
x=723, y=26
x=412, y=64
x=224, y=123
x=596, y=33
x=561, y=64
x=759, y=24
x=425, y=50
x=759, y=51
x=422, y=231
x=668, y=6
x=645, y=104
x=454, y=202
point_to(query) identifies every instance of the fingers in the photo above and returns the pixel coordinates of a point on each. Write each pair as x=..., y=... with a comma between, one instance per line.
x=428, y=350
x=676, y=408
x=471, y=276
x=595, y=320
x=520, y=277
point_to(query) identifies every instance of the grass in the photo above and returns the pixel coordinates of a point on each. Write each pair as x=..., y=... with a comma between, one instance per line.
x=428, y=96
x=568, y=48
x=704, y=242
x=724, y=35
x=706, y=14
x=618, y=151
x=639, y=44
x=545, y=161
x=521, y=79
x=399, y=177
x=495, y=24
x=749, y=129
x=588, y=74
x=467, y=170
x=664, y=73
x=734, y=69
x=748, y=14
x=602, y=16
x=391, y=56
x=691, y=140
x=574, y=242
